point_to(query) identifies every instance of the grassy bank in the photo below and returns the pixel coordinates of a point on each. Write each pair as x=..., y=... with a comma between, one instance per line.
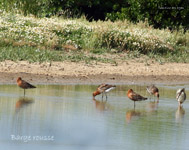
x=56, y=39
x=33, y=54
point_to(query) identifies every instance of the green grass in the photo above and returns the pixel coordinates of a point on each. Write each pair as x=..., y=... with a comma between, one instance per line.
x=33, y=54
x=175, y=56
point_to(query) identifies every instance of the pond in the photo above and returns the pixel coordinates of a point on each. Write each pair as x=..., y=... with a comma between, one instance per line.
x=66, y=117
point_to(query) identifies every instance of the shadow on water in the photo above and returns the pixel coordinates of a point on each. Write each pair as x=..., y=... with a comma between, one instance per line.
x=179, y=115
x=101, y=105
x=21, y=114
x=133, y=114
x=22, y=102
x=152, y=106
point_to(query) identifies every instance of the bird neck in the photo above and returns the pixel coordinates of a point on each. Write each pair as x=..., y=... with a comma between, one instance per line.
x=18, y=80
x=156, y=94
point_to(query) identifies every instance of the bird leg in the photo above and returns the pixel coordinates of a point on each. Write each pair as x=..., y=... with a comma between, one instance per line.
x=154, y=97
x=150, y=97
x=24, y=92
x=147, y=93
x=106, y=96
x=102, y=95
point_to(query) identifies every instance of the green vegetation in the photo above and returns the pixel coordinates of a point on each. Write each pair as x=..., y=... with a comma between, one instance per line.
x=57, y=39
x=160, y=13
x=33, y=54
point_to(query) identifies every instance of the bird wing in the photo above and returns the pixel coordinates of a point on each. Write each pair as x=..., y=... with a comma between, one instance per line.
x=102, y=87
x=27, y=85
x=178, y=93
x=138, y=97
x=184, y=95
x=106, y=87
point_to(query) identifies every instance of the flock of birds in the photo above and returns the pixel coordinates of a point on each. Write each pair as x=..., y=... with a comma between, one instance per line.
x=105, y=88
x=152, y=90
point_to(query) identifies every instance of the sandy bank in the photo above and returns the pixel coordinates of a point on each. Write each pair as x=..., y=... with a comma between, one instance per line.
x=82, y=73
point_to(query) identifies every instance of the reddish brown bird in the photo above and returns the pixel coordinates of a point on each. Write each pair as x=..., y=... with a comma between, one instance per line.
x=134, y=96
x=23, y=84
x=153, y=90
x=104, y=89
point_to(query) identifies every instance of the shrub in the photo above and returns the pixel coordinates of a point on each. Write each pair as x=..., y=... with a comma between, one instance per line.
x=160, y=13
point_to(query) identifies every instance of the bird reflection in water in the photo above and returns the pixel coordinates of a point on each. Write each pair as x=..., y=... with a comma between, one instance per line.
x=179, y=115
x=152, y=106
x=23, y=101
x=101, y=105
x=132, y=114
x=20, y=115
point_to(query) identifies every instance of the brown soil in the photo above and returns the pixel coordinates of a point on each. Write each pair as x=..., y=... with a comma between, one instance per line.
x=82, y=73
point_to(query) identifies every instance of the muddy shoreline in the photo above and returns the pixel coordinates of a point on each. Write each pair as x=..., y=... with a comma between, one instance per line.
x=10, y=78
x=81, y=73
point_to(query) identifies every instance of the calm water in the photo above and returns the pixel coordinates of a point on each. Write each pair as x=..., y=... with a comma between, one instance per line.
x=57, y=117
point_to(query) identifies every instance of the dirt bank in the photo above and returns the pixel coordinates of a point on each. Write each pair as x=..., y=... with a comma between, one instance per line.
x=82, y=73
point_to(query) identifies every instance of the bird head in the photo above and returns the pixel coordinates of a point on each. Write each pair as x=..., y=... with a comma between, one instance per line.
x=19, y=78
x=95, y=94
x=130, y=91
x=179, y=91
x=183, y=90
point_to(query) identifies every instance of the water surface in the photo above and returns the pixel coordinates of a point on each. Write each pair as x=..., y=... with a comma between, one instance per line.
x=56, y=117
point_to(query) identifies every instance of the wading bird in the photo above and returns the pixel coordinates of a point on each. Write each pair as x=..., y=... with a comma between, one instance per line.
x=23, y=84
x=134, y=96
x=181, y=96
x=153, y=90
x=103, y=89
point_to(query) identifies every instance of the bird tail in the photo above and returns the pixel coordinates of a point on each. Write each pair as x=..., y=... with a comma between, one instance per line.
x=32, y=86
x=144, y=98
